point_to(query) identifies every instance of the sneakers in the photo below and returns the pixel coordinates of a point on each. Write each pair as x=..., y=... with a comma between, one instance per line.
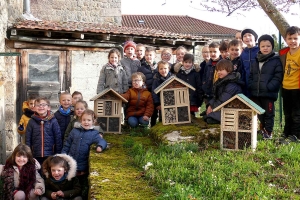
x=266, y=135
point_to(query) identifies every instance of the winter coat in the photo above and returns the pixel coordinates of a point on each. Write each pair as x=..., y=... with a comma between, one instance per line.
x=149, y=73
x=247, y=57
x=140, y=102
x=192, y=78
x=78, y=145
x=223, y=90
x=236, y=64
x=282, y=55
x=267, y=81
x=114, y=78
x=27, y=113
x=63, y=121
x=70, y=186
x=157, y=80
x=43, y=136
x=130, y=66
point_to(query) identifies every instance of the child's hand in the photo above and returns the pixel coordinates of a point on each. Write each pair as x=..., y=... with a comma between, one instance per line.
x=209, y=110
x=60, y=193
x=158, y=108
x=99, y=149
x=38, y=192
x=146, y=118
x=53, y=195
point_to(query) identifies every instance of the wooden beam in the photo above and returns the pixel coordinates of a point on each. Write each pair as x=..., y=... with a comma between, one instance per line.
x=47, y=33
x=171, y=42
x=104, y=37
x=78, y=35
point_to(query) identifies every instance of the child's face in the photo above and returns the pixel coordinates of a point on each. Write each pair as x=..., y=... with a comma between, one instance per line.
x=65, y=101
x=76, y=98
x=87, y=121
x=166, y=56
x=238, y=36
x=129, y=51
x=21, y=160
x=214, y=53
x=234, y=51
x=163, y=70
x=265, y=47
x=205, y=53
x=293, y=41
x=79, y=109
x=224, y=54
x=179, y=55
x=150, y=56
x=42, y=107
x=113, y=59
x=31, y=104
x=222, y=73
x=57, y=172
x=249, y=40
x=140, y=52
x=187, y=64
x=137, y=82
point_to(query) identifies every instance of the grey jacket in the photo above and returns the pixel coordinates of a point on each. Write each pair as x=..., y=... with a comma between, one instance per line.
x=114, y=78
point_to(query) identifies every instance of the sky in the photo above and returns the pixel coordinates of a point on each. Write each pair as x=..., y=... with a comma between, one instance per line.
x=255, y=19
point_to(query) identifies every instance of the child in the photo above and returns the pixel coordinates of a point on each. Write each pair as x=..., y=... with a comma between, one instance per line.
x=61, y=180
x=166, y=55
x=162, y=75
x=21, y=179
x=140, y=52
x=112, y=74
x=227, y=85
x=180, y=51
x=224, y=49
x=290, y=58
x=43, y=134
x=235, y=50
x=248, y=56
x=206, y=57
x=209, y=75
x=28, y=111
x=76, y=96
x=78, y=146
x=190, y=74
x=130, y=63
x=64, y=112
x=140, y=103
x=264, y=82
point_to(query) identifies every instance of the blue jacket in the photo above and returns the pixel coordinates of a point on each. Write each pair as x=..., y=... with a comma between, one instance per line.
x=149, y=73
x=247, y=58
x=157, y=80
x=78, y=145
x=223, y=90
x=267, y=81
x=63, y=121
x=43, y=136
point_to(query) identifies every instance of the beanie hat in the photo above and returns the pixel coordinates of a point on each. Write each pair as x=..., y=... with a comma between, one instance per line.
x=248, y=30
x=266, y=37
x=129, y=44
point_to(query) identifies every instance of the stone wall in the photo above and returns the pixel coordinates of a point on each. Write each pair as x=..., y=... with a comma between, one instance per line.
x=97, y=11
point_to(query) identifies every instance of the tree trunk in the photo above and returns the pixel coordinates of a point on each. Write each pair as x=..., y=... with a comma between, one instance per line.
x=274, y=14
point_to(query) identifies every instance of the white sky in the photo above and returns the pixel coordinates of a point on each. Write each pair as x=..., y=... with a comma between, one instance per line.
x=255, y=19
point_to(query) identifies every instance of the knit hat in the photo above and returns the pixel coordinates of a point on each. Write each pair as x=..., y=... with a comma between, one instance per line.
x=248, y=30
x=266, y=37
x=129, y=44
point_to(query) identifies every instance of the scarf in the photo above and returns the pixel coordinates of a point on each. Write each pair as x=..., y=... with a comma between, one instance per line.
x=64, y=112
x=112, y=66
x=262, y=58
x=60, y=180
x=44, y=118
x=187, y=71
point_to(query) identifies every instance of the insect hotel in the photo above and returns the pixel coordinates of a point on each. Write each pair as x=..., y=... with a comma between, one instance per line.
x=175, y=102
x=239, y=123
x=108, y=110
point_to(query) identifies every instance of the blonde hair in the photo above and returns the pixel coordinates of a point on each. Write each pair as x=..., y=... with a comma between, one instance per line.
x=138, y=75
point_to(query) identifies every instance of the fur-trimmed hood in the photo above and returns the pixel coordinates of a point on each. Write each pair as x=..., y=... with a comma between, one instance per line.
x=72, y=164
x=178, y=65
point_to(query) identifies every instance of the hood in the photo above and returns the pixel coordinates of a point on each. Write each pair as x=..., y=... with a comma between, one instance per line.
x=37, y=118
x=25, y=106
x=178, y=65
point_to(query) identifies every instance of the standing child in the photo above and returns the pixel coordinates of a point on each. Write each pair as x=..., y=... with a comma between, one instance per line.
x=28, y=111
x=112, y=74
x=140, y=103
x=248, y=56
x=43, y=134
x=130, y=63
x=264, y=82
x=166, y=55
x=21, y=179
x=78, y=146
x=180, y=51
x=235, y=50
x=64, y=112
x=190, y=74
x=224, y=49
x=61, y=181
x=76, y=96
x=162, y=75
x=227, y=85
x=140, y=52
x=290, y=58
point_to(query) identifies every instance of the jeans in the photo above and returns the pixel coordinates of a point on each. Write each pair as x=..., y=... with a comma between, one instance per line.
x=134, y=121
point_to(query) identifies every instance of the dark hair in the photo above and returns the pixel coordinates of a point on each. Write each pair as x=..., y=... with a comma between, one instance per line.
x=188, y=56
x=149, y=49
x=39, y=99
x=88, y=112
x=57, y=160
x=235, y=42
x=292, y=30
x=32, y=97
x=75, y=93
x=116, y=51
x=214, y=45
x=224, y=45
x=162, y=63
x=83, y=102
x=224, y=64
x=21, y=150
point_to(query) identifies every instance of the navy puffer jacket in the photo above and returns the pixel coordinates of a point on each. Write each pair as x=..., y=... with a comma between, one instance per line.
x=149, y=73
x=43, y=136
x=267, y=81
x=63, y=121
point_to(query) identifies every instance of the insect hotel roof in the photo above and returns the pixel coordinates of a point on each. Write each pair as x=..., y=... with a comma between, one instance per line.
x=170, y=80
x=108, y=90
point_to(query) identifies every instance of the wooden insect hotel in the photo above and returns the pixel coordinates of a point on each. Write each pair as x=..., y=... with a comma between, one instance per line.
x=108, y=110
x=239, y=123
x=175, y=102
